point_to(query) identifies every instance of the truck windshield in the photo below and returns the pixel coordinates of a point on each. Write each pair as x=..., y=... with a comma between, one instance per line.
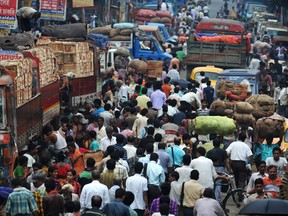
x=210, y=75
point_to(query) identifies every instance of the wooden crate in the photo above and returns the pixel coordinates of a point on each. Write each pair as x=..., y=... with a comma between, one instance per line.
x=155, y=73
x=69, y=58
x=154, y=64
x=56, y=46
x=70, y=47
x=71, y=67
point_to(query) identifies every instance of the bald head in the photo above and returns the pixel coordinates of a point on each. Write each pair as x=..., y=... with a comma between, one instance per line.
x=96, y=201
x=96, y=175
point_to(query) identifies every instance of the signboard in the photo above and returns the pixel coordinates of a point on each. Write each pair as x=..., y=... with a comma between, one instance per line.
x=8, y=10
x=83, y=3
x=10, y=54
x=53, y=9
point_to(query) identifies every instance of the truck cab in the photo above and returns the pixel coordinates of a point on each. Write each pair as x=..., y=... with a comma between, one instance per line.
x=153, y=30
x=163, y=30
x=151, y=50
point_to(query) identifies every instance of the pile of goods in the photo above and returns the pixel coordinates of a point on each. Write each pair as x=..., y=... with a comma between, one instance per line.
x=99, y=40
x=231, y=90
x=72, y=57
x=23, y=78
x=147, y=16
x=263, y=105
x=272, y=126
x=19, y=41
x=138, y=65
x=154, y=69
x=214, y=125
x=76, y=30
x=242, y=114
x=221, y=108
x=119, y=32
x=47, y=66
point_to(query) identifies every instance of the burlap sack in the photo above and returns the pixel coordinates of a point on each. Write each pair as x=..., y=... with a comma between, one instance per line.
x=146, y=13
x=244, y=108
x=156, y=20
x=122, y=52
x=163, y=14
x=270, y=127
x=114, y=32
x=101, y=30
x=138, y=65
x=267, y=107
x=120, y=38
x=244, y=118
x=218, y=107
x=165, y=20
x=126, y=32
x=224, y=86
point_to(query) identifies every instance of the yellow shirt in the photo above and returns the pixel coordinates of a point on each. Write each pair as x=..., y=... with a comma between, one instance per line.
x=142, y=101
x=192, y=192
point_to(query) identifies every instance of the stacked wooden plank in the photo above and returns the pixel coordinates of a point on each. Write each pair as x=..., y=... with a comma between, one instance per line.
x=23, y=78
x=72, y=57
x=47, y=65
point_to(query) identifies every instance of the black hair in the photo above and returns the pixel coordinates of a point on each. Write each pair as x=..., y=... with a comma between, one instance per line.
x=22, y=160
x=119, y=193
x=201, y=151
x=209, y=193
x=96, y=201
x=161, y=145
x=129, y=198
x=150, y=130
x=138, y=167
x=276, y=149
x=194, y=174
x=186, y=159
x=90, y=162
x=175, y=174
x=259, y=181
x=149, y=148
x=110, y=164
x=242, y=136
x=154, y=157
x=158, y=137
x=120, y=138
x=50, y=184
x=165, y=188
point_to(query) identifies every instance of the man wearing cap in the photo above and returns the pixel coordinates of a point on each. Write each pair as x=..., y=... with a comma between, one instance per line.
x=38, y=189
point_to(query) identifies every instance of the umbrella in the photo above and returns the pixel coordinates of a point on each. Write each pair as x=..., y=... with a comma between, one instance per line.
x=182, y=83
x=266, y=207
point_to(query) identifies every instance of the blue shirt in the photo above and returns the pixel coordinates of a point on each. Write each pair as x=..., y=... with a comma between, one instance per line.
x=97, y=112
x=116, y=208
x=21, y=201
x=267, y=150
x=164, y=159
x=178, y=155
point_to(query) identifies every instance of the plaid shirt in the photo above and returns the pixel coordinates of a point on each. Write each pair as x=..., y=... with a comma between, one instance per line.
x=155, y=207
x=21, y=201
x=121, y=171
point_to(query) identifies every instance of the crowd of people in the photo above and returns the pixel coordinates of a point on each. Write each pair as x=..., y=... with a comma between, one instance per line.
x=133, y=151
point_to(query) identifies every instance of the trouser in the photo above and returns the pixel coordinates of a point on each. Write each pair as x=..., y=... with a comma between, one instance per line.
x=139, y=212
x=218, y=184
x=240, y=173
x=25, y=24
x=188, y=211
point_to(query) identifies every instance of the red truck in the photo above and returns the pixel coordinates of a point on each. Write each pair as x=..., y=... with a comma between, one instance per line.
x=26, y=109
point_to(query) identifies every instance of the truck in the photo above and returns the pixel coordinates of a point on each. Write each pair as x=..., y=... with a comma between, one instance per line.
x=29, y=91
x=140, y=45
x=219, y=54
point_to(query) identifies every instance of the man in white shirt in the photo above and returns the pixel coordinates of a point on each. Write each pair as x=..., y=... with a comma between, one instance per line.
x=207, y=172
x=185, y=170
x=176, y=187
x=108, y=140
x=137, y=184
x=239, y=151
x=32, y=150
x=261, y=167
x=279, y=162
x=94, y=188
x=255, y=62
x=140, y=123
x=130, y=148
x=173, y=73
x=187, y=100
x=206, y=10
x=164, y=6
x=106, y=115
x=123, y=93
x=24, y=15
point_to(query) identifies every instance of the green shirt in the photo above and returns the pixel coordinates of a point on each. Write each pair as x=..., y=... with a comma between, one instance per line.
x=94, y=145
x=86, y=174
x=19, y=171
x=180, y=55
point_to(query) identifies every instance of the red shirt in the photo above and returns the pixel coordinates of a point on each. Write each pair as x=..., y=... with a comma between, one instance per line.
x=272, y=186
x=166, y=88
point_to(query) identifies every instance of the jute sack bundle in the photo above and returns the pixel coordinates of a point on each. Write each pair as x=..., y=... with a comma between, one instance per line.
x=239, y=89
x=267, y=107
x=272, y=126
x=244, y=108
x=120, y=38
x=122, y=52
x=101, y=30
x=244, y=118
x=165, y=20
x=114, y=32
x=126, y=32
x=156, y=20
x=218, y=107
x=138, y=65
x=163, y=14
x=146, y=13
x=224, y=86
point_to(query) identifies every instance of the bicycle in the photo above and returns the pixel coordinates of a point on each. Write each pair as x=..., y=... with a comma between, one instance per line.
x=231, y=191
